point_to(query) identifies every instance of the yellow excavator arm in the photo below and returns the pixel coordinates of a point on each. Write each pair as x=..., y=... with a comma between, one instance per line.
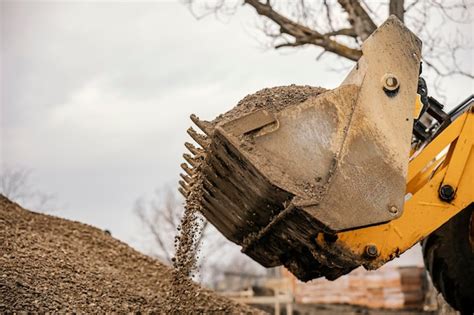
x=440, y=183
x=325, y=181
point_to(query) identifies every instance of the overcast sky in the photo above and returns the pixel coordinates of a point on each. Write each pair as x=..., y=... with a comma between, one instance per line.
x=96, y=96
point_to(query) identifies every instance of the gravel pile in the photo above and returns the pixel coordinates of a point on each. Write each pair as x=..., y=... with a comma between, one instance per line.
x=56, y=265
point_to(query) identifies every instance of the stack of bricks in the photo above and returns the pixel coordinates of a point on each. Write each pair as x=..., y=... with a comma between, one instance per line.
x=385, y=288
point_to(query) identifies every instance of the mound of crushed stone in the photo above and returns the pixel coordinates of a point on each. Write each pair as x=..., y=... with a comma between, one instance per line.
x=55, y=265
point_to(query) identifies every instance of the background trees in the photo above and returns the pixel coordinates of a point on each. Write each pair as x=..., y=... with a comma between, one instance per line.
x=15, y=184
x=340, y=26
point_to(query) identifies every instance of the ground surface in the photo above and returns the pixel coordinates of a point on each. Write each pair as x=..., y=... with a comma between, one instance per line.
x=52, y=264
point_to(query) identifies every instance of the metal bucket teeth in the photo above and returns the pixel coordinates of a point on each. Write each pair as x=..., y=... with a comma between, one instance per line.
x=193, y=161
x=183, y=192
x=205, y=126
x=187, y=169
x=183, y=184
x=202, y=140
x=194, y=150
x=186, y=178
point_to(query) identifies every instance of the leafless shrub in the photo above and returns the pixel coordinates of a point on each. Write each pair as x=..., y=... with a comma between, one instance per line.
x=339, y=27
x=160, y=215
x=15, y=184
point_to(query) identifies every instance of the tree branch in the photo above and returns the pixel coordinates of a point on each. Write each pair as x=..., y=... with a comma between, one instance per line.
x=328, y=14
x=302, y=34
x=447, y=73
x=344, y=31
x=411, y=5
x=359, y=18
x=152, y=226
x=396, y=7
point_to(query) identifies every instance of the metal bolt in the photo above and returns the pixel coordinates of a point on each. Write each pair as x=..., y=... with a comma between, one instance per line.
x=390, y=83
x=446, y=193
x=330, y=238
x=393, y=210
x=371, y=251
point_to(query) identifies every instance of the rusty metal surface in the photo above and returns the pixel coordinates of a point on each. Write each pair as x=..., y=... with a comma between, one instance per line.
x=276, y=180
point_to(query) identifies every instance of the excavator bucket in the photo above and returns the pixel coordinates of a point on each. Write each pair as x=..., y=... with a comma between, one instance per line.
x=279, y=169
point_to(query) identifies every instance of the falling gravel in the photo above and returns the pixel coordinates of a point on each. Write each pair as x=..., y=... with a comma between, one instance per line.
x=187, y=241
x=48, y=264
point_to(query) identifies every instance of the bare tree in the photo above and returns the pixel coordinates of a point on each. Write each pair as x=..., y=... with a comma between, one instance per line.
x=15, y=184
x=339, y=27
x=161, y=217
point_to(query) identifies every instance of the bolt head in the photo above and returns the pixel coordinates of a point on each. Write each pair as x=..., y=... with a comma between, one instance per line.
x=371, y=251
x=390, y=82
x=446, y=193
x=393, y=210
x=330, y=238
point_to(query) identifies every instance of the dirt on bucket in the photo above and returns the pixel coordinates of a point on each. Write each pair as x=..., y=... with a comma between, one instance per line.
x=272, y=99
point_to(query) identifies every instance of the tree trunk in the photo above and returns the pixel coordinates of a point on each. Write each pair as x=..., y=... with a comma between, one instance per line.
x=396, y=8
x=359, y=18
